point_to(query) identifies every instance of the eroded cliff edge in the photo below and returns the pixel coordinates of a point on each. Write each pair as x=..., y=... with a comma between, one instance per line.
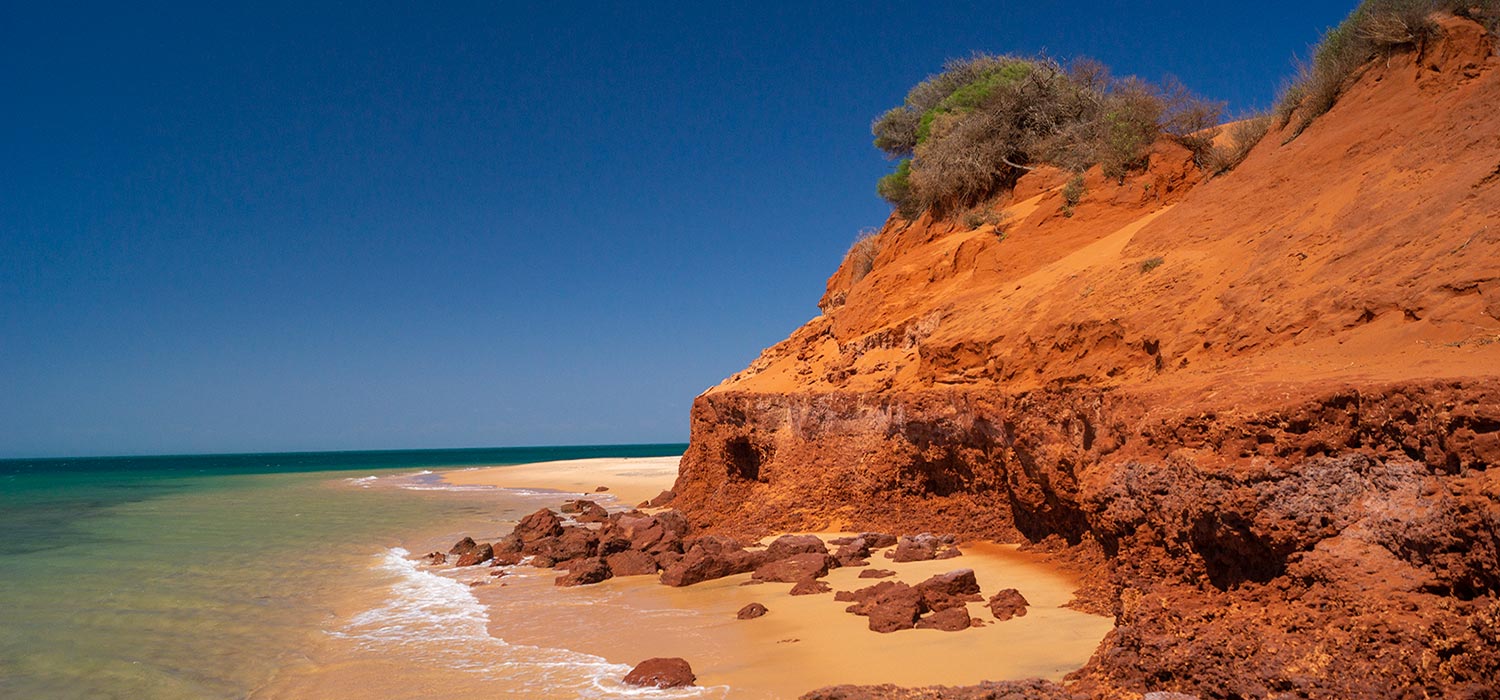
x=1261, y=409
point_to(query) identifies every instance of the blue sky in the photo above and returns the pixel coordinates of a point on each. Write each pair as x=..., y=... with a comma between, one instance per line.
x=388, y=225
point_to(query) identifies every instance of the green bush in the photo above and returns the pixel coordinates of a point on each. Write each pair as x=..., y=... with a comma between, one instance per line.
x=1150, y=264
x=896, y=189
x=975, y=128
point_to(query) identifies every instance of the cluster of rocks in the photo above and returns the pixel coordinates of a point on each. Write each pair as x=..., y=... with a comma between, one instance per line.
x=940, y=602
x=598, y=545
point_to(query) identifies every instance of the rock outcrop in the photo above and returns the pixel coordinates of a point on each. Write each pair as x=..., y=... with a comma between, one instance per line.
x=1264, y=407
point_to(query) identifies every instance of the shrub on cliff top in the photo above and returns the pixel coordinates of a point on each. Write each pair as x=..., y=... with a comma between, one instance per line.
x=1374, y=28
x=974, y=128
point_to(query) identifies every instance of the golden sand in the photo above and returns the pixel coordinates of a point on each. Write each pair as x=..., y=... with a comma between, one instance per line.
x=803, y=643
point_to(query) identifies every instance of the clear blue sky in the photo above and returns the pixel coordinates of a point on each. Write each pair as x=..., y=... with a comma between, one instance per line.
x=386, y=225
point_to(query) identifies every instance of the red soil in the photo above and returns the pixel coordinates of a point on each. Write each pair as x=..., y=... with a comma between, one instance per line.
x=1262, y=407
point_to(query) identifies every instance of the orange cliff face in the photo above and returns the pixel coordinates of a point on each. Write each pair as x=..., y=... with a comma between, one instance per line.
x=1155, y=377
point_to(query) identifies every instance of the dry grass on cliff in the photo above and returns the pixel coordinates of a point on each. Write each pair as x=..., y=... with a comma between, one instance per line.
x=1373, y=29
x=862, y=254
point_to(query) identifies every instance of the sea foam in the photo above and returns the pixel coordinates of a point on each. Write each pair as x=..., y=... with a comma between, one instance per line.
x=439, y=620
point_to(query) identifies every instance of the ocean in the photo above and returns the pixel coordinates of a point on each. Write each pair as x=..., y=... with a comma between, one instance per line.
x=210, y=576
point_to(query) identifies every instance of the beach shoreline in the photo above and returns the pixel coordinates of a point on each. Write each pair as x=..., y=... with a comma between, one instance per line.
x=807, y=641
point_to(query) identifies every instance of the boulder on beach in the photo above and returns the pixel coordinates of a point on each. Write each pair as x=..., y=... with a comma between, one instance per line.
x=890, y=605
x=600, y=489
x=631, y=563
x=924, y=547
x=539, y=525
x=1007, y=604
x=711, y=557
x=751, y=611
x=661, y=673
x=662, y=499
x=950, y=590
x=792, y=545
x=949, y=620
x=876, y=573
x=853, y=552
x=435, y=558
x=479, y=555
x=583, y=572
x=464, y=546
x=794, y=568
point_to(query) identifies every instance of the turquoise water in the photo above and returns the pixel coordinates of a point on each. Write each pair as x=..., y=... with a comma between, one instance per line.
x=199, y=576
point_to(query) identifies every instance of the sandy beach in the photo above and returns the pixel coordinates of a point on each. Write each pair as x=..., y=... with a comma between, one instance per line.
x=629, y=480
x=468, y=633
x=805, y=641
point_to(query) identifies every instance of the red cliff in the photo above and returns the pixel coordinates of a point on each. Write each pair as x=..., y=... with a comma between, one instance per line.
x=1266, y=404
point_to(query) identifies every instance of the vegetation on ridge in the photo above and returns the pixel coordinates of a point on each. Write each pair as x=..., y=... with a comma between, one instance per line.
x=973, y=129
x=1374, y=28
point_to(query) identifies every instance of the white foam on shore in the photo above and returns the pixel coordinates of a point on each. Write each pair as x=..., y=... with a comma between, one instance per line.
x=434, y=619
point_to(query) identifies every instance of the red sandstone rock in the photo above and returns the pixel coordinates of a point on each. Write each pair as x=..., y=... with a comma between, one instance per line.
x=876, y=573
x=661, y=499
x=583, y=572
x=853, y=552
x=751, y=611
x=948, y=620
x=1007, y=604
x=480, y=554
x=710, y=558
x=922, y=548
x=890, y=605
x=600, y=489
x=661, y=673
x=794, y=568
x=464, y=546
x=631, y=563
x=541, y=524
x=791, y=545
x=435, y=558
x=950, y=590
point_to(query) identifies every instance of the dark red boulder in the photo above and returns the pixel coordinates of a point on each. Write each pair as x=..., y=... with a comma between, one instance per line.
x=751, y=611
x=435, y=558
x=662, y=499
x=923, y=547
x=464, y=546
x=950, y=590
x=950, y=620
x=583, y=572
x=709, y=558
x=1007, y=604
x=876, y=573
x=631, y=563
x=541, y=524
x=792, y=545
x=661, y=673
x=478, y=555
x=890, y=605
x=794, y=568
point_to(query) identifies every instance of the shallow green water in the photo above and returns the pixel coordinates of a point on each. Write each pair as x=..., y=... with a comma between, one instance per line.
x=194, y=577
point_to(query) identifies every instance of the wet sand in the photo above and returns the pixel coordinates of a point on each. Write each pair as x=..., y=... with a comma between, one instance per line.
x=410, y=630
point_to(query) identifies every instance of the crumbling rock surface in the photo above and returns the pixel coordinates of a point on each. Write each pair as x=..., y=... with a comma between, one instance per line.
x=1271, y=448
